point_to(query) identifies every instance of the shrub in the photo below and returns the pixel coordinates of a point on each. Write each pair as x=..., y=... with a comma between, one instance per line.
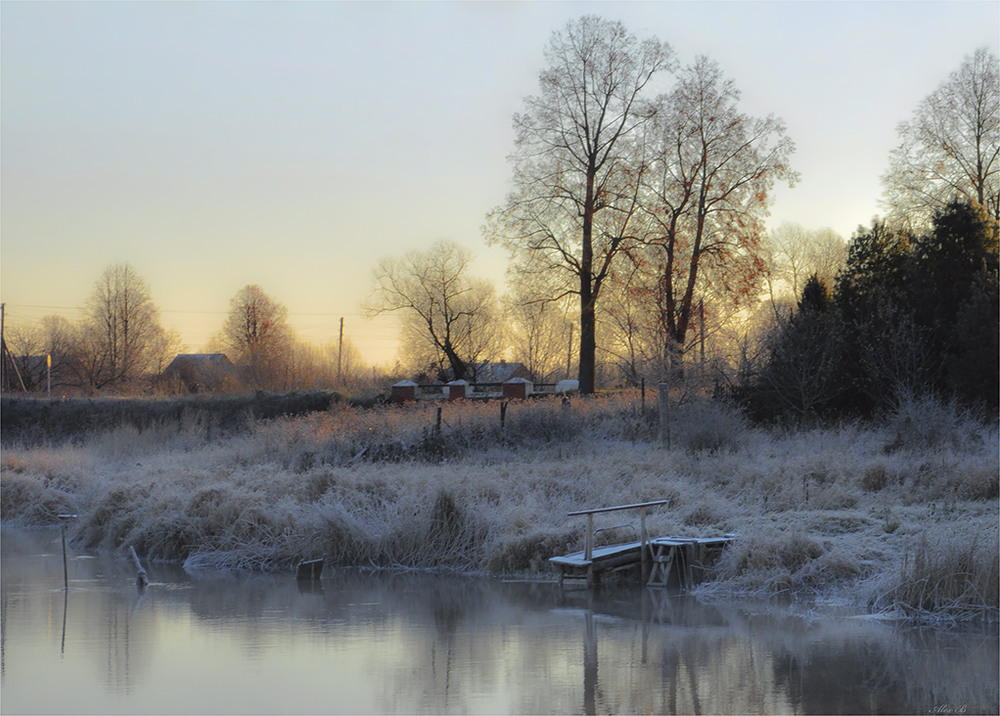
x=924, y=422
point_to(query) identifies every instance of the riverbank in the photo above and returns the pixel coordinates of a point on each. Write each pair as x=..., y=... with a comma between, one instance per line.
x=901, y=516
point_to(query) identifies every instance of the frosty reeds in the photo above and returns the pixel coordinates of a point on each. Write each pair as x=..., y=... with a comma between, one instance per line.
x=815, y=511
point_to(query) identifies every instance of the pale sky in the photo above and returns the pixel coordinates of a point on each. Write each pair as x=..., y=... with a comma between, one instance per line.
x=291, y=145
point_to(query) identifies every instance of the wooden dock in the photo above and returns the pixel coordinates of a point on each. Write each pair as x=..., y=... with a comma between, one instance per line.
x=661, y=560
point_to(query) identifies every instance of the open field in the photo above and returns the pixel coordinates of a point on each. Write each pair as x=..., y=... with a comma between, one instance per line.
x=901, y=516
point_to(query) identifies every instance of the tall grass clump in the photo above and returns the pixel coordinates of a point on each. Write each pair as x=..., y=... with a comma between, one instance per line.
x=953, y=578
x=708, y=425
x=768, y=561
x=923, y=422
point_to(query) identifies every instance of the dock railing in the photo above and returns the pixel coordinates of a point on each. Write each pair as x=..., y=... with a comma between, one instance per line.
x=588, y=543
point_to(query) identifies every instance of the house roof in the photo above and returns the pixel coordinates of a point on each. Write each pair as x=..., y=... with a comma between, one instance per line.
x=200, y=359
x=201, y=371
x=498, y=372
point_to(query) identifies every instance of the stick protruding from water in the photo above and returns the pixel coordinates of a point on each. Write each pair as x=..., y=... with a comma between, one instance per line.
x=141, y=579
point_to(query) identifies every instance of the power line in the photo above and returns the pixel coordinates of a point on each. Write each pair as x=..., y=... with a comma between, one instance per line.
x=333, y=314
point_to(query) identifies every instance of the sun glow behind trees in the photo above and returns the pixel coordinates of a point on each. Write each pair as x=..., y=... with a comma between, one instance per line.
x=316, y=321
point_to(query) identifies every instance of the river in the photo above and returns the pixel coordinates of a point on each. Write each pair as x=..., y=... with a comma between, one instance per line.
x=368, y=642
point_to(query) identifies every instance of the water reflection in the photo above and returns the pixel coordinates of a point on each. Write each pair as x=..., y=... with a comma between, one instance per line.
x=392, y=643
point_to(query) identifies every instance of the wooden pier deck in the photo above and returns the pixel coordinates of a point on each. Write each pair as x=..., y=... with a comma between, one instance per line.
x=603, y=559
x=661, y=560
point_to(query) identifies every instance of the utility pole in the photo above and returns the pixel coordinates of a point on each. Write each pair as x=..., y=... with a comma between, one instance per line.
x=340, y=349
x=701, y=326
x=569, y=351
x=3, y=350
x=7, y=362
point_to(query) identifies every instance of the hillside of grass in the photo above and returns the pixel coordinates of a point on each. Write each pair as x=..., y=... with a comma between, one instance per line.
x=899, y=516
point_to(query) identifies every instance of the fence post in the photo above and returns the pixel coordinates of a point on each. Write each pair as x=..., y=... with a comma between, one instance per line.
x=663, y=402
x=644, y=539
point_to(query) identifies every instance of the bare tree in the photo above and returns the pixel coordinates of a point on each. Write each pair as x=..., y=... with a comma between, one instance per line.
x=257, y=336
x=574, y=194
x=450, y=320
x=54, y=338
x=630, y=320
x=710, y=170
x=795, y=253
x=949, y=149
x=539, y=329
x=121, y=328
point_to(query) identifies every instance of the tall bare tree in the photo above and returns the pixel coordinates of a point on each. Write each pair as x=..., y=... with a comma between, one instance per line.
x=795, y=253
x=121, y=328
x=450, y=319
x=574, y=193
x=950, y=149
x=257, y=335
x=708, y=171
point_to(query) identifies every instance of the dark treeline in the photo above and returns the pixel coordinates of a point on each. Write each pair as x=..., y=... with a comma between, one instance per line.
x=27, y=420
x=907, y=316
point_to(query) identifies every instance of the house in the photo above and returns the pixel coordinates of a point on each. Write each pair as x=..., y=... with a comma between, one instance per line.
x=201, y=373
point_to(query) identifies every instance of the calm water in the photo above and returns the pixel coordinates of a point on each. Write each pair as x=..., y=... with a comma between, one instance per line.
x=411, y=643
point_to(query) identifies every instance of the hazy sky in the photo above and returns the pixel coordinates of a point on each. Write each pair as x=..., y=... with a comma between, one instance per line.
x=291, y=145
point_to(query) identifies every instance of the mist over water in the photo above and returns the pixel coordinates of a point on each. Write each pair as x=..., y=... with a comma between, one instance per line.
x=360, y=642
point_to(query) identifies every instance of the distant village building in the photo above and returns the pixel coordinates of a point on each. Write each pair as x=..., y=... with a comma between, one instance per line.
x=499, y=372
x=201, y=373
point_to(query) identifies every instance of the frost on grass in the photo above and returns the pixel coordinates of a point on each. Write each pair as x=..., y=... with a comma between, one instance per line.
x=952, y=577
x=815, y=511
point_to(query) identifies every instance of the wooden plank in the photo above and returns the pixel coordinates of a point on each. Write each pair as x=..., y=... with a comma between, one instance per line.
x=600, y=553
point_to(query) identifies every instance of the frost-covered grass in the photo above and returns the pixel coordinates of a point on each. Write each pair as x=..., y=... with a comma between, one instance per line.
x=901, y=515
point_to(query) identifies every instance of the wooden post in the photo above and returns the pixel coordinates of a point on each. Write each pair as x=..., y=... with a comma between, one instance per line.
x=663, y=402
x=340, y=349
x=65, y=565
x=644, y=539
x=588, y=549
x=588, y=543
x=642, y=392
x=64, y=519
x=437, y=422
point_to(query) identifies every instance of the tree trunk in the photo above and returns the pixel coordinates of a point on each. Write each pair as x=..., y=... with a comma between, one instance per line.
x=588, y=346
x=458, y=367
x=587, y=328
